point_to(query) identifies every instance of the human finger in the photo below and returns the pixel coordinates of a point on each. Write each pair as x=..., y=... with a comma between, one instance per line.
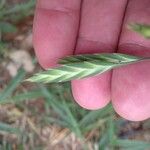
x=131, y=84
x=100, y=25
x=55, y=29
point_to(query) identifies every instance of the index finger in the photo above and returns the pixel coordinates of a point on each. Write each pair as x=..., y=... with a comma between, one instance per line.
x=55, y=29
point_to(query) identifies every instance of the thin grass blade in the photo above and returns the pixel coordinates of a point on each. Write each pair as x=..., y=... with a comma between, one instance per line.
x=8, y=128
x=23, y=97
x=131, y=144
x=12, y=85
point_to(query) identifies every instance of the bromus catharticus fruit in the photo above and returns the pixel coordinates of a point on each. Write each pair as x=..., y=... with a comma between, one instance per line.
x=81, y=66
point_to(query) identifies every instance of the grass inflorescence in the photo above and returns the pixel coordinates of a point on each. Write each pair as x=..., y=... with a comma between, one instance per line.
x=81, y=66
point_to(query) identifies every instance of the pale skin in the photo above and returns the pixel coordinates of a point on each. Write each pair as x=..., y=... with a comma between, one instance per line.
x=66, y=27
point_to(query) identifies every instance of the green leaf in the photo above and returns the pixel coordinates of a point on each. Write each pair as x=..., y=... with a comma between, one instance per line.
x=73, y=122
x=7, y=128
x=81, y=66
x=132, y=144
x=23, y=96
x=109, y=135
x=141, y=29
x=2, y=3
x=52, y=101
x=92, y=116
x=6, y=27
x=12, y=85
x=17, y=10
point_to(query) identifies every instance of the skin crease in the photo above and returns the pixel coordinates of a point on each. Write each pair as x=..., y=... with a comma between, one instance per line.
x=131, y=84
x=55, y=34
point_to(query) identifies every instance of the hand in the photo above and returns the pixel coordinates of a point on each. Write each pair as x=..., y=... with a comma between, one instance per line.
x=64, y=27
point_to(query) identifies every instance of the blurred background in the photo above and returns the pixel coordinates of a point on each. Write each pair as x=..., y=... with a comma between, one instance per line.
x=45, y=117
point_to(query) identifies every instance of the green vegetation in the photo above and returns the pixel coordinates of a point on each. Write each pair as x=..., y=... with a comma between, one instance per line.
x=28, y=111
x=69, y=115
x=81, y=66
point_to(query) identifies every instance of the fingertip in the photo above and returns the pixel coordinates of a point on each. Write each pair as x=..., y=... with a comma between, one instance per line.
x=42, y=38
x=92, y=93
x=130, y=91
x=55, y=30
x=124, y=113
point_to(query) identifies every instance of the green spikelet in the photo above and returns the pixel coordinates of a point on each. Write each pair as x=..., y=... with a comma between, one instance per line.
x=141, y=29
x=81, y=66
